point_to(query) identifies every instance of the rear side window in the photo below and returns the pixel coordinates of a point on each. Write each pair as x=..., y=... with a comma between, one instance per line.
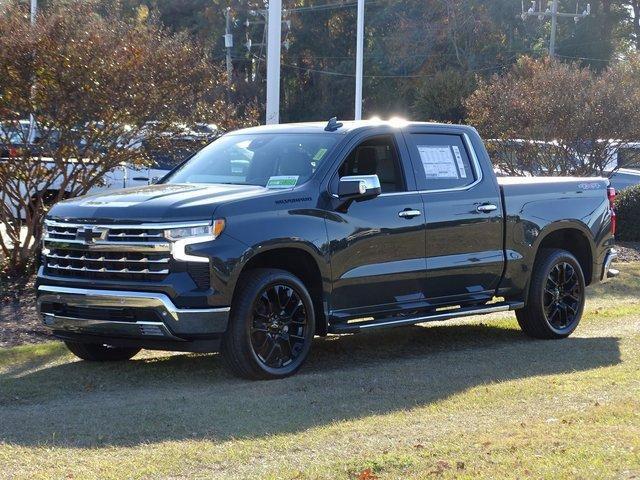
x=441, y=161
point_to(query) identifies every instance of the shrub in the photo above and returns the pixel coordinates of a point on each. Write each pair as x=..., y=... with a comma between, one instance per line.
x=628, y=214
x=569, y=119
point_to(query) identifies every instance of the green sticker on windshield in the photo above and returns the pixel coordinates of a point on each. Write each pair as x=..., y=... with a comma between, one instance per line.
x=320, y=154
x=283, y=181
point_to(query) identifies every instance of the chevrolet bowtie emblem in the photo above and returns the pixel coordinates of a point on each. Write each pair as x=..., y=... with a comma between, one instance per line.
x=90, y=234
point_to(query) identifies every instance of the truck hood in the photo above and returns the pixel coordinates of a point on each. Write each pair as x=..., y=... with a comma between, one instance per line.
x=154, y=203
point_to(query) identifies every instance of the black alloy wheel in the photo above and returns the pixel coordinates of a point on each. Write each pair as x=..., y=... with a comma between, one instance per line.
x=271, y=326
x=556, y=296
x=278, y=330
x=563, y=295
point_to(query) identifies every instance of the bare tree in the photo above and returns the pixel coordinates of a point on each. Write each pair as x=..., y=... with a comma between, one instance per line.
x=95, y=85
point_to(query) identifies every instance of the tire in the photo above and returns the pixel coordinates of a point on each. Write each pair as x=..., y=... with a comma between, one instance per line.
x=556, y=296
x=93, y=352
x=268, y=306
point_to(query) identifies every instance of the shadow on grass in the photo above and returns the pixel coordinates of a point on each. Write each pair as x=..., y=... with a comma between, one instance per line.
x=178, y=397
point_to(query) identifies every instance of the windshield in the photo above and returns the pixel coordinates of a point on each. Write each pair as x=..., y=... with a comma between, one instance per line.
x=278, y=160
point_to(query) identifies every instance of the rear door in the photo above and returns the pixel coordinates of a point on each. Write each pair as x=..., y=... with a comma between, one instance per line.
x=463, y=216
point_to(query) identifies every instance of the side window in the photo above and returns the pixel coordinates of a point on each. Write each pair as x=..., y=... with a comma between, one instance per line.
x=375, y=156
x=441, y=161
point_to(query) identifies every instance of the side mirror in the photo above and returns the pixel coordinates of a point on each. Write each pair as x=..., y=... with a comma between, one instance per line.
x=359, y=187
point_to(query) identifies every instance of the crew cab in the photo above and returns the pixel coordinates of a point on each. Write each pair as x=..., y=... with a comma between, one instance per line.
x=274, y=234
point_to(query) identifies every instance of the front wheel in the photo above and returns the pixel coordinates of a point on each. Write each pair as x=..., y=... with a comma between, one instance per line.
x=556, y=296
x=271, y=327
x=94, y=352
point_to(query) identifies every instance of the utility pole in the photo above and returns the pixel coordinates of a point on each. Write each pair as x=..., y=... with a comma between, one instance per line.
x=554, y=28
x=359, y=59
x=228, y=42
x=32, y=120
x=274, y=28
x=552, y=11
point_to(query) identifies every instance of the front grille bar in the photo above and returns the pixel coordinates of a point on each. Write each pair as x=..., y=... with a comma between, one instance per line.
x=103, y=259
x=106, y=246
x=55, y=266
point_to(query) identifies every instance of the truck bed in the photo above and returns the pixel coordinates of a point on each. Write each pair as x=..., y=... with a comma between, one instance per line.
x=534, y=206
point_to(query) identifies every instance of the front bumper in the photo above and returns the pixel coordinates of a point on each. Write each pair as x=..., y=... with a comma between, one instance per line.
x=126, y=314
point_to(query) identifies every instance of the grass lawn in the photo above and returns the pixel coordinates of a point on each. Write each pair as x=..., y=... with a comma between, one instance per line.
x=471, y=399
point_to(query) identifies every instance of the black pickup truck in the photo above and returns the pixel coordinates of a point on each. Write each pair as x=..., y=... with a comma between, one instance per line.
x=273, y=234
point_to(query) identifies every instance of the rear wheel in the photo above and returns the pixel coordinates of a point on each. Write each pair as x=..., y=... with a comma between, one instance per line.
x=94, y=352
x=556, y=296
x=271, y=327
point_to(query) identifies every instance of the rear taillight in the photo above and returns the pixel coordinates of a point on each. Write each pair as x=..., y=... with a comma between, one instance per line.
x=611, y=195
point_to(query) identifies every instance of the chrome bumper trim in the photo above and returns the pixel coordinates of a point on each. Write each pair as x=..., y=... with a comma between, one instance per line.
x=607, y=271
x=115, y=298
x=174, y=322
x=108, y=327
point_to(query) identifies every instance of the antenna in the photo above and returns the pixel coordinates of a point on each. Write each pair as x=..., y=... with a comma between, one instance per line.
x=333, y=124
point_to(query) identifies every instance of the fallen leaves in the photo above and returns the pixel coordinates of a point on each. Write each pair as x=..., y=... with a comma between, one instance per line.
x=367, y=474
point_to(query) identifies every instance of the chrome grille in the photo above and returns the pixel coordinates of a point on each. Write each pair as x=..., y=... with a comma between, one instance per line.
x=106, y=252
x=60, y=232
x=132, y=235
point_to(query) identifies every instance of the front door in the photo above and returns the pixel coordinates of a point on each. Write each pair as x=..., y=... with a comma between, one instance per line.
x=463, y=213
x=377, y=246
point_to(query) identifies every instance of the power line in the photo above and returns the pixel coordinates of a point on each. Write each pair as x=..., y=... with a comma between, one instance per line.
x=585, y=58
x=340, y=74
x=329, y=6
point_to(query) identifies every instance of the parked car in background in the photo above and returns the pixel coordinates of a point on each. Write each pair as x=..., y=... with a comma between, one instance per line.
x=535, y=157
x=625, y=178
x=174, y=147
x=177, y=142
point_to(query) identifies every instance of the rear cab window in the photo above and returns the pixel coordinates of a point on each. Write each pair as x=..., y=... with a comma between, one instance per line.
x=441, y=161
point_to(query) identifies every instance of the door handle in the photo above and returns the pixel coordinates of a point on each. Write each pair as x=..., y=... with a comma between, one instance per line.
x=409, y=213
x=486, y=208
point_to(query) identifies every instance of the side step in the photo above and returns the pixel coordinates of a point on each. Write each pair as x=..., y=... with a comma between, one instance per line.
x=429, y=317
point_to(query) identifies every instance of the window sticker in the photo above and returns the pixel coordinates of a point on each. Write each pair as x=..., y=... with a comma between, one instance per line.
x=318, y=156
x=456, y=152
x=283, y=181
x=438, y=161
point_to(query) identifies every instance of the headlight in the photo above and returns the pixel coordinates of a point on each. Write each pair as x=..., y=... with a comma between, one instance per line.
x=214, y=230
x=183, y=236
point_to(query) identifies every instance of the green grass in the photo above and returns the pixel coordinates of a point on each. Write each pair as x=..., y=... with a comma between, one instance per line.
x=470, y=399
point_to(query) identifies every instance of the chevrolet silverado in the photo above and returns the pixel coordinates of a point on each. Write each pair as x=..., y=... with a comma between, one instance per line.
x=274, y=234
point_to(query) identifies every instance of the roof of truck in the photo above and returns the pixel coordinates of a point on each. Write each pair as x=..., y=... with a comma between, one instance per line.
x=345, y=127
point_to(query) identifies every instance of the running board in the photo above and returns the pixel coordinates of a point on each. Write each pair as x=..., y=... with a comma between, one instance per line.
x=431, y=317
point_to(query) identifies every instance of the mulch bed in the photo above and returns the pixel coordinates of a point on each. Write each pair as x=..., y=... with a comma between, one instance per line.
x=19, y=322
x=628, y=251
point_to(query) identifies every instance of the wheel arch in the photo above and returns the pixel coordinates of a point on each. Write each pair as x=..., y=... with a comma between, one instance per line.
x=573, y=237
x=301, y=261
